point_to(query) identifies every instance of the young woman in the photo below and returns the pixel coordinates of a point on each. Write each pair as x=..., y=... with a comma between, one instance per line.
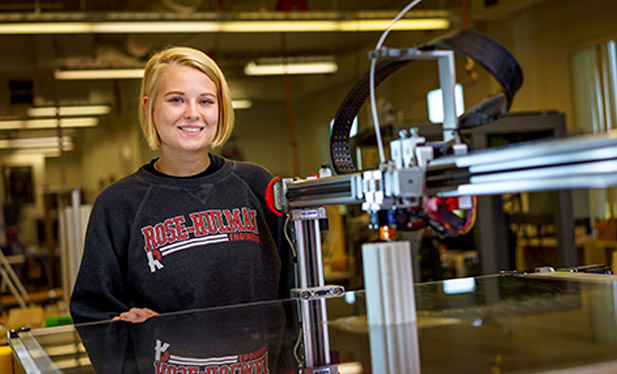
x=190, y=229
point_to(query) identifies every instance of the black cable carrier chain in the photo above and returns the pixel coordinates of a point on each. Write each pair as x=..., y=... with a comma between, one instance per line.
x=480, y=48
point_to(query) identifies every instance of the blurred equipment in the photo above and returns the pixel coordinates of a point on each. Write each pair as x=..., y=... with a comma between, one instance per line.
x=429, y=183
x=396, y=195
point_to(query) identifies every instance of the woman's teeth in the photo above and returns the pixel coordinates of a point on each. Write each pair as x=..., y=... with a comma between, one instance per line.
x=190, y=129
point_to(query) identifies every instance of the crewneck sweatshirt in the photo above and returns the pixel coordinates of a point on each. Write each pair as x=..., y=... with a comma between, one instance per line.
x=172, y=244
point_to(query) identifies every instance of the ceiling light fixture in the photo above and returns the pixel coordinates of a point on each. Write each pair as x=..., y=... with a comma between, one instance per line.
x=37, y=143
x=241, y=103
x=335, y=26
x=291, y=66
x=51, y=151
x=48, y=123
x=47, y=153
x=263, y=25
x=67, y=111
x=280, y=26
x=138, y=27
x=251, y=68
x=84, y=74
x=401, y=25
x=38, y=28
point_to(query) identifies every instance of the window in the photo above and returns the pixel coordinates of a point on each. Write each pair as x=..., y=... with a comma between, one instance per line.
x=435, y=103
x=593, y=73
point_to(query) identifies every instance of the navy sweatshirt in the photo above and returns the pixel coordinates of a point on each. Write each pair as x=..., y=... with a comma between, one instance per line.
x=172, y=244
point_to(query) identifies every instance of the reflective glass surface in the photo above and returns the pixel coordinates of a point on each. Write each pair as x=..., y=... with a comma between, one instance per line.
x=492, y=324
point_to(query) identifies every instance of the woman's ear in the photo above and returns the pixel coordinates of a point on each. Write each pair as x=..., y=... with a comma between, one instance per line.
x=144, y=105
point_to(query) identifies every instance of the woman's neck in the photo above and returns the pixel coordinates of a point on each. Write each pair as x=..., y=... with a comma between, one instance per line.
x=182, y=167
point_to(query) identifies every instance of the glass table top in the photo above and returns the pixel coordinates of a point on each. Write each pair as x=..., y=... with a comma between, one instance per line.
x=513, y=323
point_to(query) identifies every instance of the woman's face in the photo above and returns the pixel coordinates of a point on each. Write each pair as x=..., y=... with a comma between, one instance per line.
x=185, y=111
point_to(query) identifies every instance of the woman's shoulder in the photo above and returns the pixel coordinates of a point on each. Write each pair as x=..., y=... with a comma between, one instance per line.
x=124, y=188
x=255, y=176
x=251, y=170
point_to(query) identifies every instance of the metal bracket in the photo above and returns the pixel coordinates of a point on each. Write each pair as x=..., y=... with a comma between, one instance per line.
x=327, y=369
x=307, y=214
x=313, y=293
x=447, y=81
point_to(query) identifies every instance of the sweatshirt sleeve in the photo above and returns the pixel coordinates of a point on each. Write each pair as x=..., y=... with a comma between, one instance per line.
x=287, y=279
x=99, y=292
x=258, y=178
x=286, y=254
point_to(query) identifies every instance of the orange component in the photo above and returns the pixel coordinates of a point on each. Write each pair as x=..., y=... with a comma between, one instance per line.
x=387, y=233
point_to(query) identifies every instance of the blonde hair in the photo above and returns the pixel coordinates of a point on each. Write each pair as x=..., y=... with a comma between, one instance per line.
x=151, y=83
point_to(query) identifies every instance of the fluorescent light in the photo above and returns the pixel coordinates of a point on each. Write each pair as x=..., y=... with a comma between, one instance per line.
x=47, y=149
x=156, y=27
x=244, y=26
x=241, y=103
x=46, y=152
x=46, y=28
x=99, y=74
x=251, y=68
x=47, y=146
x=401, y=25
x=79, y=122
x=316, y=67
x=12, y=125
x=42, y=112
x=81, y=110
x=280, y=26
x=48, y=123
x=37, y=143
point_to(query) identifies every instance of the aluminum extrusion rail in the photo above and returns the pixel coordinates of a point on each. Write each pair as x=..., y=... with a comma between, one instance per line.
x=579, y=162
x=29, y=354
x=340, y=189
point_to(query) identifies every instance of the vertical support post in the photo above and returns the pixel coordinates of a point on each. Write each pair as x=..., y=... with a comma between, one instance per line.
x=447, y=81
x=75, y=254
x=315, y=331
x=491, y=229
x=310, y=274
x=564, y=227
x=71, y=238
x=309, y=253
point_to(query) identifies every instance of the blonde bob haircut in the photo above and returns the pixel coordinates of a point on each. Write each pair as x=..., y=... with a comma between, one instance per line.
x=151, y=83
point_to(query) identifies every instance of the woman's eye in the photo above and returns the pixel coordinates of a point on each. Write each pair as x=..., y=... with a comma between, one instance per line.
x=174, y=99
x=207, y=101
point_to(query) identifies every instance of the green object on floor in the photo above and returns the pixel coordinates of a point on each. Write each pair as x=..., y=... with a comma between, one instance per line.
x=58, y=321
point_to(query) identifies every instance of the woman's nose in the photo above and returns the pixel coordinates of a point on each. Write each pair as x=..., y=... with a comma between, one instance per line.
x=191, y=111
